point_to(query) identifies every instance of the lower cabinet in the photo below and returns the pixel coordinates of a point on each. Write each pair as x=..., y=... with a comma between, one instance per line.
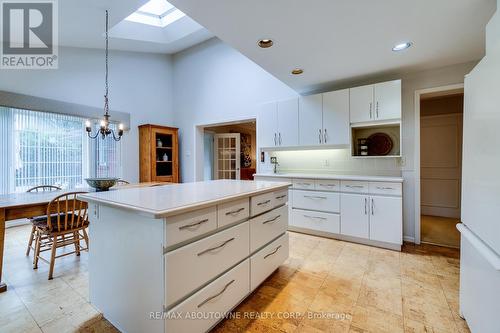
x=198, y=312
x=386, y=216
x=354, y=215
x=264, y=262
x=320, y=221
x=377, y=218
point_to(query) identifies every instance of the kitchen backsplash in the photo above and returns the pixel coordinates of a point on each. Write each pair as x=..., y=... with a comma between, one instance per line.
x=338, y=161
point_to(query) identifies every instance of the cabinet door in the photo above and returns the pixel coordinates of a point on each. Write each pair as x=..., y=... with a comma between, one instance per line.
x=387, y=98
x=354, y=215
x=386, y=219
x=361, y=104
x=336, y=117
x=288, y=122
x=310, y=120
x=267, y=125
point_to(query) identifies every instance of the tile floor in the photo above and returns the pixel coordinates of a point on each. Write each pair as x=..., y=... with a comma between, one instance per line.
x=325, y=286
x=440, y=231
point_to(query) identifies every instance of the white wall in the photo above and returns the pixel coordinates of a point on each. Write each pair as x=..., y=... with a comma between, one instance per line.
x=140, y=84
x=214, y=83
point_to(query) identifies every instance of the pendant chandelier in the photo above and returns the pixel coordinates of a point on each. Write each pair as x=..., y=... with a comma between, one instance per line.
x=104, y=129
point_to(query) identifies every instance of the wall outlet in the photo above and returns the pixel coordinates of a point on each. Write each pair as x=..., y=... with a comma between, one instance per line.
x=402, y=161
x=326, y=163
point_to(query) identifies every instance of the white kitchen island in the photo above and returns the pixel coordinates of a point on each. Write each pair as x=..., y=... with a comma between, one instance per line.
x=176, y=258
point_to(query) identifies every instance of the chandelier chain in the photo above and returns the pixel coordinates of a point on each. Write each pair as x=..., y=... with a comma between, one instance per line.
x=106, y=104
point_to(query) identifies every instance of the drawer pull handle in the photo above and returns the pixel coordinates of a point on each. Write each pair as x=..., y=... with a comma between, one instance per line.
x=328, y=185
x=355, y=186
x=270, y=254
x=315, y=197
x=304, y=184
x=216, y=295
x=281, y=196
x=271, y=220
x=385, y=188
x=215, y=248
x=187, y=226
x=234, y=212
x=263, y=203
x=315, y=217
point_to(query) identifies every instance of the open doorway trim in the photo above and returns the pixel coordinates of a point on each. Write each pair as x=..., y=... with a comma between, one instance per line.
x=418, y=94
x=199, y=153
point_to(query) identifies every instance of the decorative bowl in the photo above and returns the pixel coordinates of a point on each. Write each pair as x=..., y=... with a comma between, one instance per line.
x=101, y=184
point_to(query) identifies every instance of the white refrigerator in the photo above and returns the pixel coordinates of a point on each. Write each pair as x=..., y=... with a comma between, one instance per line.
x=480, y=228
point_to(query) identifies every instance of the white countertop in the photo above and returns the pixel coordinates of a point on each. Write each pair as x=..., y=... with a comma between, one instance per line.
x=333, y=176
x=172, y=199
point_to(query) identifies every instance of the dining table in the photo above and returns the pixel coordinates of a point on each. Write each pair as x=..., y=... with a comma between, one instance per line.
x=22, y=205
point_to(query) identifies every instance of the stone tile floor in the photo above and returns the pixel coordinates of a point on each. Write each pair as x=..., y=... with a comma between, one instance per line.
x=325, y=286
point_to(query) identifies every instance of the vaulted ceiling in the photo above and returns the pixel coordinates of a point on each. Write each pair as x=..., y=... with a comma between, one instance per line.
x=335, y=40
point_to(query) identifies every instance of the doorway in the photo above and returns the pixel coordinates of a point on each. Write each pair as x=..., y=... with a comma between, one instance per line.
x=441, y=118
x=229, y=151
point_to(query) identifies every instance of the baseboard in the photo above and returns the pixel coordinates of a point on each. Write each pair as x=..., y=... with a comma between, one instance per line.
x=409, y=239
x=16, y=223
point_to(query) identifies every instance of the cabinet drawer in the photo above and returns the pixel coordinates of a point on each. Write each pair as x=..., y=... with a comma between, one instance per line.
x=315, y=200
x=327, y=185
x=280, y=198
x=268, y=226
x=316, y=221
x=219, y=296
x=182, y=227
x=261, y=203
x=264, y=262
x=303, y=184
x=386, y=188
x=354, y=186
x=191, y=266
x=231, y=212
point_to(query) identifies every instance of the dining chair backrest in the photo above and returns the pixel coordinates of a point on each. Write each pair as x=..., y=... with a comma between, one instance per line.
x=44, y=188
x=71, y=213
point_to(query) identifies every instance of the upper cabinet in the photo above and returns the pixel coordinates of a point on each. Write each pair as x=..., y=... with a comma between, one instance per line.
x=336, y=117
x=324, y=119
x=311, y=120
x=376, y=102
x=278, y=124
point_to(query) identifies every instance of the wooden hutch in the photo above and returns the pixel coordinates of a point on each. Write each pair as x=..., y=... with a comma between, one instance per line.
x=158, y=153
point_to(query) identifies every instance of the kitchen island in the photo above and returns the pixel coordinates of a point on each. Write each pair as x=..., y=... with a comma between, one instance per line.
x=176, y=258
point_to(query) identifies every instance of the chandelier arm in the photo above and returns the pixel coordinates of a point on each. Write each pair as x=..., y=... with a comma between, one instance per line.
x=116, y=138
x=93, y=136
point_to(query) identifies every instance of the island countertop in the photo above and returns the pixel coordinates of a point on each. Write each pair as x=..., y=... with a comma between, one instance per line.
x=173, y=199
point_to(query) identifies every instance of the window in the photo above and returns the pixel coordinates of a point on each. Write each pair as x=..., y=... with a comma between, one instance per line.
x=159, y=13
x=41, y=148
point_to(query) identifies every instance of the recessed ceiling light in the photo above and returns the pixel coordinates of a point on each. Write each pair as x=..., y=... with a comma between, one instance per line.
x=401, y=46
x=297, y=71
x=265, y=43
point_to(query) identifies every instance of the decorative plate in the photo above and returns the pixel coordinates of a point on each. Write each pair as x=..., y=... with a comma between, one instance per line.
x=379, y=144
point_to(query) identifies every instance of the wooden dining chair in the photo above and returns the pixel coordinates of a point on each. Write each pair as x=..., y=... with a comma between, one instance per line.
x=66, y=224
x=40, y=188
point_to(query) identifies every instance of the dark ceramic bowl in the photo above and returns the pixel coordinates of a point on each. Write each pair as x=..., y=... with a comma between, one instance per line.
x=101, y=184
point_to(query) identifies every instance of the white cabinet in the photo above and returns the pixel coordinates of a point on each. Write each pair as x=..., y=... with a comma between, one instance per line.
x=377, y=218
x=386, y=219
x=336, y=117
x=278, y=123
x=387, y=100
x=324, y=119
x=354, y=216
x=288, y=122
x=311, y=120
x=267, y=125
x=361, y=104
x=376, y=102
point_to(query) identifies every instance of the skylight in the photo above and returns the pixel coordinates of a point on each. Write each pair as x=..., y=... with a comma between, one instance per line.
x=159, y=13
